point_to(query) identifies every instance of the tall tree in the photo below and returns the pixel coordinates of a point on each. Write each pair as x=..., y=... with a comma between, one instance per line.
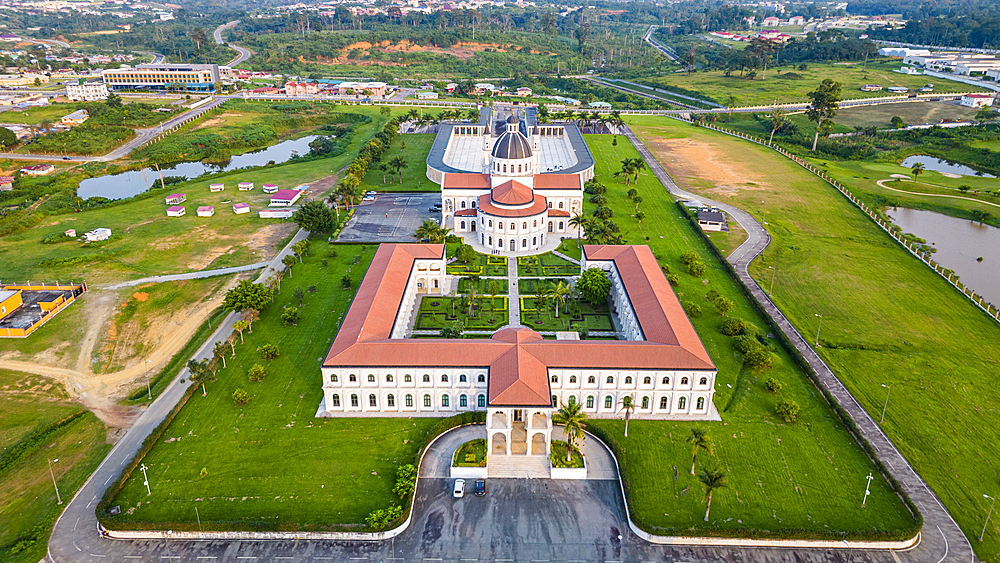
x=239, y=326
x=918, y=169
x=699, y=440
x=825, y=102
x=250, y=315
x=199, y=372
x=247, y=295
x=712, y=479
x=571, y=416
x=778, y=121
x=628, y=405
x=578, y=222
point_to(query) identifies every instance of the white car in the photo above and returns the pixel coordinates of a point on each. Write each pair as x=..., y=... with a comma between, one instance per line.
x=368, y=198
x=459, y=488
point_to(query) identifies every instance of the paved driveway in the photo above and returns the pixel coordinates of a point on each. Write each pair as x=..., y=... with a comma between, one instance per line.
x=392, y=217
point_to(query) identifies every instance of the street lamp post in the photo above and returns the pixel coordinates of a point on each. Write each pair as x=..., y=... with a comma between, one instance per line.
x=988, y=514
x=850, y=550
x=774, y=272
x=888, y=390
x=764, y=218
x=818, y=328
x=868, y=487
x=53, y=475
x=145, y=480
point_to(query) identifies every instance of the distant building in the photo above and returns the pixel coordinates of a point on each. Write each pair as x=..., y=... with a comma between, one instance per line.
x=10, y=301
x=197, y=77
x=174, y=199
x=75, y=118
x=276, y=213
x=361, y=88
x=898, y=89
x=871, y=88
x=450, y=87
x=87, y=91
x=241, y=208
x=482, y=88
x=6, y=183
x=285, y=198
x=71, y=233
x=604, y=105
x=245, y=186
x=9, y=37
x=38, y=170
x=216, y=187
x=711, y=219
x=206, y=211
x=96, y=235
x=427, y=95
x=796, y=20
x=270, y=188
x=176, y=211
x=771, y=21
x=977, y=100
x=524, y=92
x=301, y=88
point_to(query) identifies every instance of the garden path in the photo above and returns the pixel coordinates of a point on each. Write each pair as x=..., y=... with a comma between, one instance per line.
x=514, y=303
x=564, y=257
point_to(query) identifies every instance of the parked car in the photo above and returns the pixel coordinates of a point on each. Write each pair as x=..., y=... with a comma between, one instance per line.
x=480, y=487
x=459, y=488
x=434, y=209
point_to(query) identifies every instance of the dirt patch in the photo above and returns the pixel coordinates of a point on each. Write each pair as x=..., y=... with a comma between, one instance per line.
x=268, y=238
x=688, y=159
x=165, y=245
x=140, y=296
x=202, y=261
x=216, y=120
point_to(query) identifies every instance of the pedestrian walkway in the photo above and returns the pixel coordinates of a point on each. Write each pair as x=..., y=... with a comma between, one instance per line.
x=564, y=257
x=514, y=301
x=189, y=275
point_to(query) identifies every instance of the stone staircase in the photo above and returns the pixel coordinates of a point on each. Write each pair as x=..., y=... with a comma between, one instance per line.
x=518, y=466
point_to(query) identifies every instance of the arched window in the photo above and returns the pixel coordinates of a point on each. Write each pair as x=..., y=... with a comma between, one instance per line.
x=354, y=400
x=462, y=378
x=590, y=402
x=333, y=378
x=353, y=378
x=534, y=223
x=491, y=241
x=482, y=401
x=390, y=401
x=504, y=167
x=572, y=379
x=407, y=378
x=684, y=381
x=388, y=378
x=524, y=225
x=628, y=380
x=572, y=400
x=700, y=405
x=555, y=379
x=555, y=401
x=427, y=378
x=463, y=204
x=518, y=167
x=560, y=222
x=524, y=243
x=371, y=378
x=409, y=400
x=703, y=381
x=463, y=401
x=336, y=400
x=681, y=403
x=647, y=380
x=427, y=400
x=462, y=224
x=666, y=381
x=608, y=402
x=372, y=400
x=513, y=226
x=481, y=378
x=444, y=401
x=591, y=379
x=491, y=223
x=610, y=380
x=444, y=378
x=663, y=403
x=560, y=205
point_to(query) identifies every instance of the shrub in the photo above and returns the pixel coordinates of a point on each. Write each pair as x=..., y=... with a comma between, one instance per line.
x=724, y=305
x=745, y=342
x=204, y=472
x=733, y=327
x=241, y=397
x=696, y=269
x=380, y=519
x=406, y=480
x=712, y=295
x=290, y=316
x=690, y=257
x=345, y=282
x=693, y=310
x=674, y=279
x=256, y=373
x=787, y=410
x=268, y=351
x=759, y=358
x=772, y=384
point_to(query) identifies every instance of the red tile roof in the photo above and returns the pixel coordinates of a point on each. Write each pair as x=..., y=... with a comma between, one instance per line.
x=512, y=192
x=538, y=206
x=558, y=182
x=558, y=213
x=465, y=213
x=518, y=358
x=466, y=181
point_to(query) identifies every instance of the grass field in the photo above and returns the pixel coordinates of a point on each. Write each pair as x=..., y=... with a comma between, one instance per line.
x=28, y=506
x=988, y=145
x=782, y=89
x=911, y=113
x=283, y=468
x=803, y=476
x=887, y=318
x=415, y=173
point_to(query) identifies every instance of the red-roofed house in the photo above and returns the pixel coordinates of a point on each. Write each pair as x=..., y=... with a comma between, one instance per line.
x=285, y=198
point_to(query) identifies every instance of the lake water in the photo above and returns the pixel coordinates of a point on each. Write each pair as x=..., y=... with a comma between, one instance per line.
x=938, y=165
x=134, y=182
x=959, y=243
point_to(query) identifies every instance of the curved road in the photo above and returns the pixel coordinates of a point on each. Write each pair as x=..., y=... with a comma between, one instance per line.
x=243, y=53
x=189, y=275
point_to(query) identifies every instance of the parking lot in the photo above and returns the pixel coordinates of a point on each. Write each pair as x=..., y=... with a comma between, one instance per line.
x=392, y=217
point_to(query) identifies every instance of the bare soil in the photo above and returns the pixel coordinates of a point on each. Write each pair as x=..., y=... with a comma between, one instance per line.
x=693, y=161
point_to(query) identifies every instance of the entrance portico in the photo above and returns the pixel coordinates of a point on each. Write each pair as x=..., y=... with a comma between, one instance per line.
x=519, y=432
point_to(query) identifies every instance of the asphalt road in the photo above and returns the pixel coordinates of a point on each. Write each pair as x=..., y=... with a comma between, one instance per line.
x=242, y=55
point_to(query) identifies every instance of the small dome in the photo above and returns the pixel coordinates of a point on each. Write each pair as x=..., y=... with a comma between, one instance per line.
x=512, y=145
x=512, y=119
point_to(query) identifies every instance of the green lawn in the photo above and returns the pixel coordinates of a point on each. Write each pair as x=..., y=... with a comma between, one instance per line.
x=547, y=264
x=591, y=317
x=990, y=145
x=485, y=286
x=483, y=265
x=418, y=145
x=28, y=506
x=789, y=84
x=910, y=112
x=887, y=320
x=471, y=454
x=785, y=478
x=571, y=247
x=282, y=468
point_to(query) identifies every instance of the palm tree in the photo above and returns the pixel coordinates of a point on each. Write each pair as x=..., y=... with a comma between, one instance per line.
x=628, y=405
x=240, y=326
x=632, y=193
x=571, y=416
x=637, y=165
x=472, y=298
x=637, y=200
x=560, y=295
x=220, y=351
x=383, y=168
x=426, y=229
x=398, y=163
x=778, y=121
x=250, y=315
x=578, y=221
x=712, y=479
x=699, y=439
x=918, y=169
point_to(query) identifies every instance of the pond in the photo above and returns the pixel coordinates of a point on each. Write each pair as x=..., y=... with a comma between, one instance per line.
x=134, y=182
x=943, y=166
x=959, y=244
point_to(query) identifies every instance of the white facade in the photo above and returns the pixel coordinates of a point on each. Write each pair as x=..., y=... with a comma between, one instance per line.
x=977, y=100
x=404, y=391
x=87, y=92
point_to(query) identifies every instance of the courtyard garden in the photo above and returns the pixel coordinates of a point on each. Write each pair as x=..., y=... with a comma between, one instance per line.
x=471, y=454
x=538, y=312
x=483, y=286
x=483, y=313
x=480, y=265
x=547, y=264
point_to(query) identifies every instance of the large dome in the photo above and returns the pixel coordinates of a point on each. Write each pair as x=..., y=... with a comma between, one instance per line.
x=512, y=145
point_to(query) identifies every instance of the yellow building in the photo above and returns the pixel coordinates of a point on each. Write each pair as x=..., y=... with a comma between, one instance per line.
x=162, y=77
x=10, y=300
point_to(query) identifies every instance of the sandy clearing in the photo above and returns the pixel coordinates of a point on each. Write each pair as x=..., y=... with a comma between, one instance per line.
x=690, y=160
